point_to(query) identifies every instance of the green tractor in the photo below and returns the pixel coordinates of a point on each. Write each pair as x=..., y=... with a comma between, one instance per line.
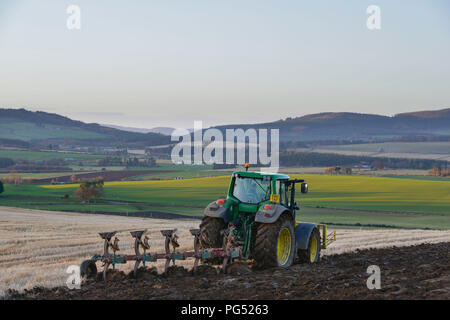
x=255, y=221
x=259, y=215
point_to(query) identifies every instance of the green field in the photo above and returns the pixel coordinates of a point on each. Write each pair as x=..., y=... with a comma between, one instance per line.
x=37, y=175
x=396, y=147
x=162, y=171
x=44, y=155
x=360, y=200
x=430, y=178
x=171, y=171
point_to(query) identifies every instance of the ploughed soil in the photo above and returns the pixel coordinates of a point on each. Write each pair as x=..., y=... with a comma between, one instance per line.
x=415, y=272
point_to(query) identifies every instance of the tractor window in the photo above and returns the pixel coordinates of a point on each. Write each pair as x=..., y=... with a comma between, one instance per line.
x=250, y=190
x=282, y=190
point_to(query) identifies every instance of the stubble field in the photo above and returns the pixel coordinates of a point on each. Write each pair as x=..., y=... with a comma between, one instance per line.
x=36, y=247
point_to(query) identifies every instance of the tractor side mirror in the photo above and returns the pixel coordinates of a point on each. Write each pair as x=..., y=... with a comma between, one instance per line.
x=304, y=188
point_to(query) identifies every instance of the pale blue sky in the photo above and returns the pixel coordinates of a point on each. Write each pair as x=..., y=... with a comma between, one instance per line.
x=170, y=62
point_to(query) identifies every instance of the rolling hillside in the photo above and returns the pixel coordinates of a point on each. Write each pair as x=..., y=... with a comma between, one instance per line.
x=161, y=130
x=23, y=126
x=356, y=126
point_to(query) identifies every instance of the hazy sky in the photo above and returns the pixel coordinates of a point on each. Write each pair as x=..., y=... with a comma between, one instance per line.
x=170, y=62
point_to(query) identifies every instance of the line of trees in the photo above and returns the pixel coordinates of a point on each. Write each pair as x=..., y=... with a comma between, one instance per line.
x=290, y=144
x=135, y=162
x=34, y=166
x=437, y=171
x=15, y=179
x=6, y=162
x=110, y=161
x=14, y=143
x=315, y=159
x=338, y=170
x=129, y=162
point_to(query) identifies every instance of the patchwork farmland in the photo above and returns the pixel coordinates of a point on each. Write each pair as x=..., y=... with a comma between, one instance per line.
x=352, y=201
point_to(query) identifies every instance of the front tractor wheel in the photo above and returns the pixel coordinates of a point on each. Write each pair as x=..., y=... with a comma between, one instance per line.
x=275, y=243
x=312, y=254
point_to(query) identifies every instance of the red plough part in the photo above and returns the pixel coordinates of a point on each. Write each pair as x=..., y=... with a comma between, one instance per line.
x=142, y=255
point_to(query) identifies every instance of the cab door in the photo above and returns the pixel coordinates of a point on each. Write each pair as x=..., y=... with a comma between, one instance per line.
x=282, y=190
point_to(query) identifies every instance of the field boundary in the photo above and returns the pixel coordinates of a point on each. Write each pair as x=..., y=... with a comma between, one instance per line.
x=377, y=211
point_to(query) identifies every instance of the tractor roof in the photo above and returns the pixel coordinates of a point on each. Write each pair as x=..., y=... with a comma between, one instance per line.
x=254, y=174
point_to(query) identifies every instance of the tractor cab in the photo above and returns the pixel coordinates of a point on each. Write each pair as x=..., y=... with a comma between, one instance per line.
x=251, y=192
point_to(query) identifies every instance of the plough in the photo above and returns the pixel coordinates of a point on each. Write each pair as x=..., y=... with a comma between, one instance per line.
x=228, y=252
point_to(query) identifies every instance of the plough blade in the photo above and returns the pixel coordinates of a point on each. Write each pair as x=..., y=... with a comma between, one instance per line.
x=228, y=252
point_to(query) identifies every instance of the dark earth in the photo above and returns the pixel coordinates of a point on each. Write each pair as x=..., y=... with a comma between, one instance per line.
x=415, y=272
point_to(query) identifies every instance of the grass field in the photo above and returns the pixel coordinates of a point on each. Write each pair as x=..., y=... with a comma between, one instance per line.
x=396, y=147
x=362, y=201
x=430, y=178
x=171, y=171
x=43, y=155
x=36, y=247
x=41, y=175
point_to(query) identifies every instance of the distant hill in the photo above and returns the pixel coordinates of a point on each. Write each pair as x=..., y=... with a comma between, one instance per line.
x=21, y=127
x=432, y=114
x=161, y=130
x=129, y=129
x=358, y=126
x=45, y=128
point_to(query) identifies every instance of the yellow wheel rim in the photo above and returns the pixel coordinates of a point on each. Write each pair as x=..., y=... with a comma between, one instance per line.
x=284, y=246
x=313, y=249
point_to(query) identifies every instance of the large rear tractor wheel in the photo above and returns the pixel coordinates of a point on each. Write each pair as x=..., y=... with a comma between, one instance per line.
x=312, y=254
x=211, y=229
x=275, y=243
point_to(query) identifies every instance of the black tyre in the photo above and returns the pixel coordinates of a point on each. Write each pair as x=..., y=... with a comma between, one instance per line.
x=275, y=243
x=211, y=232
x=88, y=269
x=312, y=254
